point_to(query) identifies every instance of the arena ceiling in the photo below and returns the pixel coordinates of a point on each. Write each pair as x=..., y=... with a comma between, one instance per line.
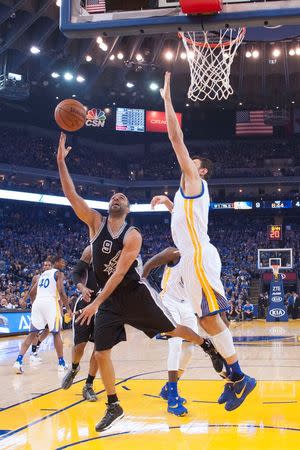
x=265, y=81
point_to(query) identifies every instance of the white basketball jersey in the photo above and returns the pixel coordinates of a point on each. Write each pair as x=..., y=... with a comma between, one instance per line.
x=47, y=287
x=190, y=220
x=172, y=283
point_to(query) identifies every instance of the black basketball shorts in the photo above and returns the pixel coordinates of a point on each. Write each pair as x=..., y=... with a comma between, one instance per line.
x=138, y=305
x=82, y=333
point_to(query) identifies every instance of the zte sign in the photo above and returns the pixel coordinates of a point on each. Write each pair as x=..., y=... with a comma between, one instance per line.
x=156, y=121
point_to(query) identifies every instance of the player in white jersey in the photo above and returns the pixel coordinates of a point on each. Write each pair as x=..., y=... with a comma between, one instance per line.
x=201, y=266
x=174, y=299
x=46, y=311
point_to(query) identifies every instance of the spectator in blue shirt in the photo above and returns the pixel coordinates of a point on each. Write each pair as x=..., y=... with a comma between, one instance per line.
x=248, y=309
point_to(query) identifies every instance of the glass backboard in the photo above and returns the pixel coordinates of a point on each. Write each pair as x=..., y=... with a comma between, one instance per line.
x=87, y=18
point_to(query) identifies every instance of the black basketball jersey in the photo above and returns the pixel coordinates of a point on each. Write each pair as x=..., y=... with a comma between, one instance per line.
x=106, y=251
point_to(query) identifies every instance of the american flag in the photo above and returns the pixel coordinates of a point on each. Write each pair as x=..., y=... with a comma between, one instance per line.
x=251, y=123
x=95, y=6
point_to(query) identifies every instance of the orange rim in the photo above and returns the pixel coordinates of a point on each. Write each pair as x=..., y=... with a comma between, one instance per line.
x=239, y=38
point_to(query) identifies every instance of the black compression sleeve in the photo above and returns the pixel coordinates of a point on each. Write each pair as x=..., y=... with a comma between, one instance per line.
x=80, y=271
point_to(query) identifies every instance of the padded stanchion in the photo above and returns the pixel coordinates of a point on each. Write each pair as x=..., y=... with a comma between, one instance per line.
x=201, y=6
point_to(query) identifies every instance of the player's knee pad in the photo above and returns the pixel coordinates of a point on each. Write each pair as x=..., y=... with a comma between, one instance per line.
x=174, y=353
x=223, y=343
x=187, y=350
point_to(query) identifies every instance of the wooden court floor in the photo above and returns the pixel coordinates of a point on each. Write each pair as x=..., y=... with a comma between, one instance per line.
x=36, y=414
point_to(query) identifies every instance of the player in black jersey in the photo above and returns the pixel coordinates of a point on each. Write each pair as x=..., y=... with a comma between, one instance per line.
x=125, y=298
x=85, y=281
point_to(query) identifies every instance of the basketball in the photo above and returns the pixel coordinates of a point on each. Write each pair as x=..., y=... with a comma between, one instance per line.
x=70, y=115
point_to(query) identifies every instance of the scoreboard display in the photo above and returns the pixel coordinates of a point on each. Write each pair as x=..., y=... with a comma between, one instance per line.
x=130, y=120
x=274, y=232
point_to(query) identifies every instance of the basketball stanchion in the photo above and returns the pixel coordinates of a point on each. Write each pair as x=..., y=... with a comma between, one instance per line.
x=276, y=308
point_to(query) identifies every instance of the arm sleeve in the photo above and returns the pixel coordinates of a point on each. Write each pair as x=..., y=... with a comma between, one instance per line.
x=79, y=272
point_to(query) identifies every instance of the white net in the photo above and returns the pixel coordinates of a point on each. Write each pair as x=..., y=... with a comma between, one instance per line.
x=210, y=56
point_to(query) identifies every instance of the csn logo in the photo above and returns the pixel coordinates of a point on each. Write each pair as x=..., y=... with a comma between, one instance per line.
x=277, y=312
x=276, y=299
x=95, y=118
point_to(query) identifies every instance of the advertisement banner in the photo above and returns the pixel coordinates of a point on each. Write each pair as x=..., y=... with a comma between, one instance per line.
x=14, y=322
x=290, y=276
x=277, y=309
x=156, y=121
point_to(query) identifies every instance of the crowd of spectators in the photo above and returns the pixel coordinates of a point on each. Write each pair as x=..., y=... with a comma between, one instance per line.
x=232, y=158
x=29, y=235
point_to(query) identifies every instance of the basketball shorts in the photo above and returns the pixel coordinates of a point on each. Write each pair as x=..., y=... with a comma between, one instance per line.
x=45, y=312
x=181, y=312
x=85, y=332
x=138, y=305
x=201, y=274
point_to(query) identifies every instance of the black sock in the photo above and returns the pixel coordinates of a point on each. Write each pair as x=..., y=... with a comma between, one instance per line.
x=38, y=343
x=113, y=398
x=89, y=379
x=74, y=366
x=33, y=348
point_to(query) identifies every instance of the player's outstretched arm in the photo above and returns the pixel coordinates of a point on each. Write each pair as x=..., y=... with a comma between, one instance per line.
x=80, y=274
x=167, y=256
x=130, y=251
x=61, y=290
x=175, y=133
x=82, y=210
x=162, y=200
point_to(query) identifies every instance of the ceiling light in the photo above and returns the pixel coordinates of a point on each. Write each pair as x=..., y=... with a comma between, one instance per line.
x=120, y=55
x=129, y=85
x=255, y=54
x=73, y=95
x=88, y=58
x=35, y=50
x=276, y=52
x=187, y=105
x=248, y=54
x=57, y=98
x=112, y=57
x=292, y=52
x=153, y=86
x=55, y=75
x=99, y=40
x=68, y=76
x=191, y=54
x=183, y=55
x=293, y=101
x=139, y=57
x=107, y=110
x=169, y=55
x=297, y=51
x=103, y=46
x=80, y=79
x=58, y=3
x=240, y=103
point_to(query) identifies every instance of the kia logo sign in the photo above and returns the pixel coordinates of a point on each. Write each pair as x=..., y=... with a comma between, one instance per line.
x=277, y=312
x=276, y=299
x=156, y=121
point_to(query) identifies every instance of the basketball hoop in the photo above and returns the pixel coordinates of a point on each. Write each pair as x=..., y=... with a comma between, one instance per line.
x=275, y=269
x=210, y=56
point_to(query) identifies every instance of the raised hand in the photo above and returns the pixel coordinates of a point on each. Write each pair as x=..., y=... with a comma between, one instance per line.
x=166, y=91
x=159, y=200
x=62, y=152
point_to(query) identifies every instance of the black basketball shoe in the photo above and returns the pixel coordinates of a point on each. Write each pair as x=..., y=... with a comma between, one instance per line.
x=89, y=393
x=69, y=377
x=216, y=358
x=114, y=412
